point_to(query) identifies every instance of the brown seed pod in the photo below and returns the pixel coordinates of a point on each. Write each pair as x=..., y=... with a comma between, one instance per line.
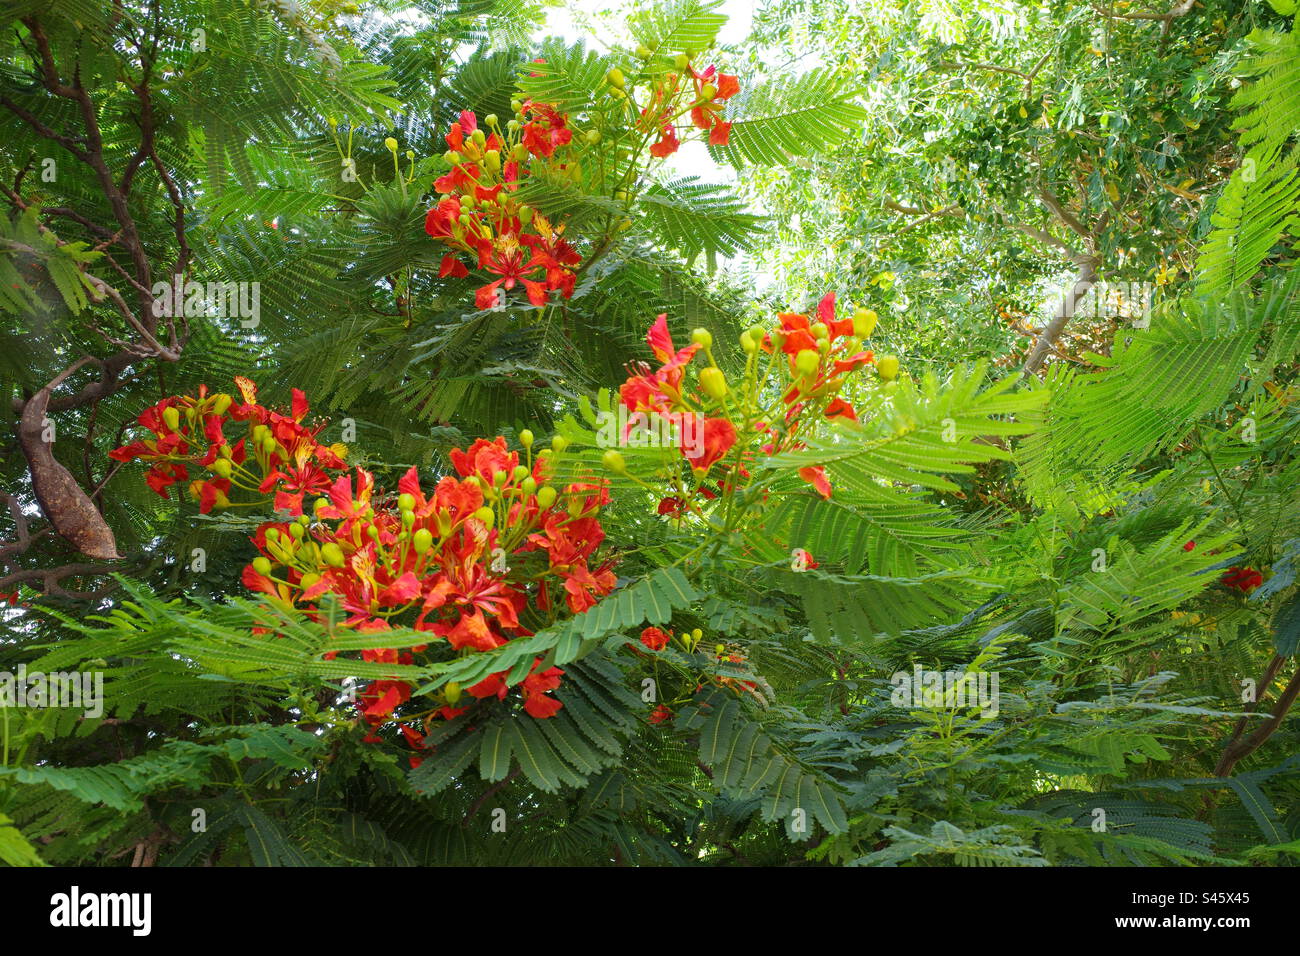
x=69, y=509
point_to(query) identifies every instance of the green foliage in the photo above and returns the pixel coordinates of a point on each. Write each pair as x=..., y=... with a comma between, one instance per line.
x=785, y=117
x=1073, y=542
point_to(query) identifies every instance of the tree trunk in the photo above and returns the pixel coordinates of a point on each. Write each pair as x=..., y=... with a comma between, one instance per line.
x=1064, y=311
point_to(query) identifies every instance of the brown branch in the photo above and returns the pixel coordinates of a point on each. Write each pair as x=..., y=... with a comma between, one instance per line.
x=50, y=578
x=1086, y=262
x=67, y=142
x=488, y=793
x=23, y=538
x=1239, y=748
x=1064, y=215
x=1065, y=308
x=94, y=157
x=1028, y=77
x=1179, y=10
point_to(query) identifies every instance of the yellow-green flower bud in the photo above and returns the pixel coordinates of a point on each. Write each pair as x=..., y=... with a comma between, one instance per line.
x=864, y=323
x=714, y=383
x=806, y=361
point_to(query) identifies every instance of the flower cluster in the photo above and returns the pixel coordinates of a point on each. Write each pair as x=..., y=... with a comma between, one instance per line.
x=480, y=215
x=278, y=455
x=467, y=563
x=720, y=431
x=673, y=94
x=492, y=549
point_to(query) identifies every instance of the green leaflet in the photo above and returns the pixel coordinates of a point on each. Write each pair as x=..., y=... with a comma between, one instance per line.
x=14, y=848
x=583, y=738
x=746, y=762
x=787, y=116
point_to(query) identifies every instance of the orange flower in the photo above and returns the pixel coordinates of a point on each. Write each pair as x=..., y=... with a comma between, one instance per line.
x=654, y=638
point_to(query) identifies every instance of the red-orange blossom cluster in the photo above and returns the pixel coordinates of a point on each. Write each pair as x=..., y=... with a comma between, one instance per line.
x=488, y=548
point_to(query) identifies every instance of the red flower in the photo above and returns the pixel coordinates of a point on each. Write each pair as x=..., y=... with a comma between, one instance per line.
x=451, y=266
x=541, y=706
x=839, y=408
x=667, y=144
x=659, y=391
x=214, y=493
x=584, y=587
x=556, y=256
x=443, y=220
x=654, y=638
x=508, y=259
x=719, y=437
x=671, y=506
x=493, y=685
x=484, y=459
x=464, y=126
x=660, y=714
x=413, y=737
x=545, y=129
x=1244, y=580
x=815, y=475
x=382, y=697
x=536, y=687
x=805, y=559
x=708, y=113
